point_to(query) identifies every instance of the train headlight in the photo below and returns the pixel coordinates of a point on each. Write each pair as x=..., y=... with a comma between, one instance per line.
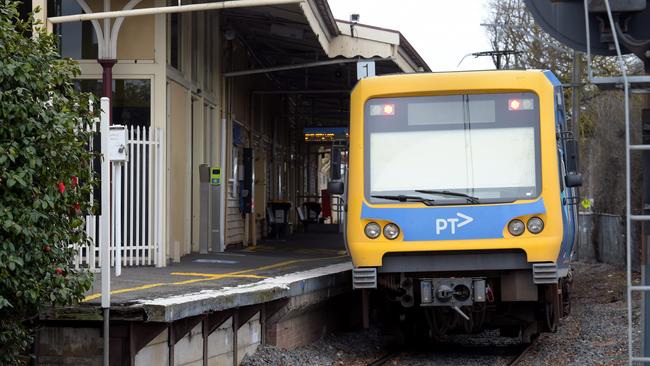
x=391, y=231
x=535, y=225
x=516, y=227
x=372, y=230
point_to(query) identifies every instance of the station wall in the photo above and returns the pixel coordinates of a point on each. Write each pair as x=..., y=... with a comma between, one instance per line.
x=182, y=58
x=256, y=122
x=180, y=170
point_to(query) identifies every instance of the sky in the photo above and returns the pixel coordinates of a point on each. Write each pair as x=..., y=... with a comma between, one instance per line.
x=442, y=31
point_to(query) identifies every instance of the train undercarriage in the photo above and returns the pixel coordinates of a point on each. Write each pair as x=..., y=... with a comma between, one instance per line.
x=432, y=305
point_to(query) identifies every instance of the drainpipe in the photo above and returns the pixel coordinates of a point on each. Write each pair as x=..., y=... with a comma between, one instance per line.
x=107, y=80
x=107, y=58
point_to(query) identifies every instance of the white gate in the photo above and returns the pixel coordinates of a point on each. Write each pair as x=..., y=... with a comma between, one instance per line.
x=140, y=206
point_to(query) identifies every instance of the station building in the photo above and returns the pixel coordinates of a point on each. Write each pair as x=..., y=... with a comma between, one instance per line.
x=259, y=91
x=237, y=118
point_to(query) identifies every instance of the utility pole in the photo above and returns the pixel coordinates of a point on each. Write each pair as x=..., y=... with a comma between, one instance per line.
x=576, y=93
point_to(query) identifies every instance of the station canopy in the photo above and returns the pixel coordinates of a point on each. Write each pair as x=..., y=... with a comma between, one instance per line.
x=307, y=52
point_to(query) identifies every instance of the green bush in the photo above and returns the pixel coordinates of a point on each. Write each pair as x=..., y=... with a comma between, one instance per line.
x=45, y=180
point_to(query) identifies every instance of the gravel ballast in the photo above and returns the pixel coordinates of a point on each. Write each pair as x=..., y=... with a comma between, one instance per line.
x=594, y=334
x=596, y=331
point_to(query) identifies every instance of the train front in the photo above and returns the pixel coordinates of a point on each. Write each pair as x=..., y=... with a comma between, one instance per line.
x=454, y=197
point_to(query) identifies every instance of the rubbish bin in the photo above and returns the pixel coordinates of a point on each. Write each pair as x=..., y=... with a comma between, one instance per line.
x=278, y=217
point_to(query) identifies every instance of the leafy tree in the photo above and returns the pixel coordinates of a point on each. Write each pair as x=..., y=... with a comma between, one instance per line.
x=45, y=180
x=512, y=27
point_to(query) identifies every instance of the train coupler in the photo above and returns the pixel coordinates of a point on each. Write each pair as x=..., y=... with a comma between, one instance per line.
x=453, y=292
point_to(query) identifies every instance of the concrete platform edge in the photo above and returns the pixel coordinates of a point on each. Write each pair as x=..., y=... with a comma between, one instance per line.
x=173, y=308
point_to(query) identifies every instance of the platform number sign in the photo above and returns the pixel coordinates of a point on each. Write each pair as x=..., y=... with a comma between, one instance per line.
x=365, y=68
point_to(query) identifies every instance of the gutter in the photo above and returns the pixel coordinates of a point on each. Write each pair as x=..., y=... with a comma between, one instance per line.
x=413, y=54
x=326, y=13
x=169, y=9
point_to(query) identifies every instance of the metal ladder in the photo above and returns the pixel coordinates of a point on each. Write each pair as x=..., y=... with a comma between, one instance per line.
x=640, y=84
x=631, y=85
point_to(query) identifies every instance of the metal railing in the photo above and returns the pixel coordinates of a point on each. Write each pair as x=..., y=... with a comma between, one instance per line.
x=140, y=205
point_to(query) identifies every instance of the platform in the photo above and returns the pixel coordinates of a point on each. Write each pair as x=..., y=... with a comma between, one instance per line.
x=215, y=307
x=213, y=282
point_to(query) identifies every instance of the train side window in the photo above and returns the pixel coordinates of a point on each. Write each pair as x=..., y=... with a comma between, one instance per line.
x=559, y=105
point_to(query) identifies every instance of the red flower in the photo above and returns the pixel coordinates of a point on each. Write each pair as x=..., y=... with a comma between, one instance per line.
x=58, y=271
x=77, y=208
x=61, y=187
x=74, y=181
x=46, y=248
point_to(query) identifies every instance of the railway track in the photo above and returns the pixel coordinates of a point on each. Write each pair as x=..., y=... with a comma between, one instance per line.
x=389, y=356
x=385, y=358
x=518, y=360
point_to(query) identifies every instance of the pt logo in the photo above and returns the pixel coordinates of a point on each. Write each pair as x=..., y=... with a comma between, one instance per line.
x=452, y=223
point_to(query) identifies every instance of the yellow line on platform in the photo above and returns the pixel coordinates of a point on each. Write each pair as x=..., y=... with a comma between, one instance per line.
x=185, y=282
x=143, y=287
x=209, y=277
x=214, y=274
x=213, y=277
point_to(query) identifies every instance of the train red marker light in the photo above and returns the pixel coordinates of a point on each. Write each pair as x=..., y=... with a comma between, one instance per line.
x=382, y=109
x=520, y=104
x=514, y=104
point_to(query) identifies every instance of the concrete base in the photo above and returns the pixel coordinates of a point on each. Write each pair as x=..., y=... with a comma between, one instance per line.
x=69, y=346
x=156, y=352
x=296, y=326
x=83, y=346
x=299, y=330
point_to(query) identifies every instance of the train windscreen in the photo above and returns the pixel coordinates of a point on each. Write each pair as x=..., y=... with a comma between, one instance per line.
x=482, y=145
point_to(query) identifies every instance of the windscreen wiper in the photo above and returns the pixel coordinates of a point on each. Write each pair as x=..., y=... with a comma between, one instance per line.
x=403, y=198
x=470, y=199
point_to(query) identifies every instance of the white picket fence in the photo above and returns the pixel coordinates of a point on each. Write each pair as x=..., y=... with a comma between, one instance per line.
x=141, y=205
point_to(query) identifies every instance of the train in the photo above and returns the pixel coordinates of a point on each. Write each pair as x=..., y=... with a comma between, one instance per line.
x=461, y=199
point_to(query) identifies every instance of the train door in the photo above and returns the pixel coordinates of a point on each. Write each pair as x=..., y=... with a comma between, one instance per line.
x=197, y=158
x=568, y=171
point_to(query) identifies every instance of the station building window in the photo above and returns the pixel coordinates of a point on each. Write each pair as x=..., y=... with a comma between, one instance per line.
x=209, y=47
x=77, y=40
x=195, y=44
x=174, y=38
x=131, y=99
